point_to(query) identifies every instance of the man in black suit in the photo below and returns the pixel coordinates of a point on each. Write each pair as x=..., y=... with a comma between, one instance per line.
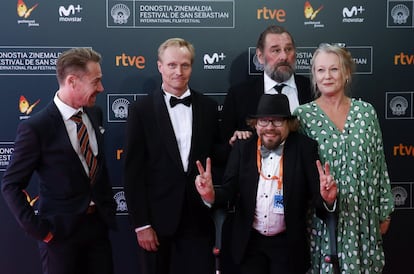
x=76, y=207
x=274, y=175
x=276, y=54
x=167, y=131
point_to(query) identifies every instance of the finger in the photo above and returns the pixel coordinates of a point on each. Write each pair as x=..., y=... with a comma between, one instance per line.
x=320, y=169
x=327, y=170
x=208, y=165
x=200, y=167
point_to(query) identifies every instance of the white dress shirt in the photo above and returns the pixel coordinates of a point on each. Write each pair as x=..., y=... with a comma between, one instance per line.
x=290, y=90
x=182, y=121
x=268, y=220
x=67, y=112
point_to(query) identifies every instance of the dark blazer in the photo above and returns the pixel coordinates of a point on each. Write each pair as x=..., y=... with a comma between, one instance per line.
x=158, y=191
x=241, y=102
x=42, y=146
x=300, y=184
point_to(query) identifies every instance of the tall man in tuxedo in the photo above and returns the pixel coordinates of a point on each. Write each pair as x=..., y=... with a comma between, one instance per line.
x=75, y=206
x=276, y=53
x=167, y=131
x=274, y=175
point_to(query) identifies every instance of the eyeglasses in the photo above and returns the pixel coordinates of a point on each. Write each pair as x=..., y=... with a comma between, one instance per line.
x=266, y=122
x=339, y=45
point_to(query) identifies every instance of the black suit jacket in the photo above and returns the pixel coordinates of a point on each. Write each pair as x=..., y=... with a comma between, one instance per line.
x=42, y=145
x=241, y=102
x=300, y=187
x=158, y=191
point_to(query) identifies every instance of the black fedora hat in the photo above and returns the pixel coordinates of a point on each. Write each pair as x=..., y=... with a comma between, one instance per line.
x=273, y=105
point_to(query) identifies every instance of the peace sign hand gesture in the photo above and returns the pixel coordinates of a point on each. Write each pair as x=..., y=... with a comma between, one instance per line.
x=328, y=187
x=204, y=182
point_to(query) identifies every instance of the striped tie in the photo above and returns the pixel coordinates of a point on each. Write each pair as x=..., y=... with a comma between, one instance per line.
x=86, y=150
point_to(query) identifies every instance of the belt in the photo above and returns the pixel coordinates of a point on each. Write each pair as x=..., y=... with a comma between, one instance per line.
x=91, y=209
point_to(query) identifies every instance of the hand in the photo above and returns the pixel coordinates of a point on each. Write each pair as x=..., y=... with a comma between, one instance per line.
x=384, y=225
x=238, y=134
x=147, y=239
x=48, y=237
x=328, y=187
x=204, y=182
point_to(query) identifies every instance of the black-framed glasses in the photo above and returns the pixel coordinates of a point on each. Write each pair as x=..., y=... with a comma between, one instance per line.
x=266, y=122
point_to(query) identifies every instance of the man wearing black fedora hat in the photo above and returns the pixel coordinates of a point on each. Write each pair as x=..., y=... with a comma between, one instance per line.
x=272, y=176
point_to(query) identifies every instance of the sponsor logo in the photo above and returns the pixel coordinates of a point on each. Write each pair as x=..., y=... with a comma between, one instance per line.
x=67, y=14
x=25, y=107
x=403, y=150
x=399, y=105
x=352, y=15
x=124, y=60
x=265, y=13
x=310, y=13
x=400, y=14
x=211, y=62
x=24, y=11
x=404, y=59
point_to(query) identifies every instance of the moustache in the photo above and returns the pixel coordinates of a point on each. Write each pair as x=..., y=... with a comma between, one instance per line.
x=283, y=64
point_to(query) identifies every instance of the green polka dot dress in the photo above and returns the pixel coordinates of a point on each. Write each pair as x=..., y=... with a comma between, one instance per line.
x=357, y=162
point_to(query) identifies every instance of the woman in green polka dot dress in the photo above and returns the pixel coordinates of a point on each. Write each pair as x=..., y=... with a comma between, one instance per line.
x=350, y=140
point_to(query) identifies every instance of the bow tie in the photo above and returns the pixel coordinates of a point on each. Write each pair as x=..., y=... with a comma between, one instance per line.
x=265, y=152
x=175, y=101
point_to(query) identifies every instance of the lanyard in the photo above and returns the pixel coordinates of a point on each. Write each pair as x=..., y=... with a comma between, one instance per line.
x=259, y=167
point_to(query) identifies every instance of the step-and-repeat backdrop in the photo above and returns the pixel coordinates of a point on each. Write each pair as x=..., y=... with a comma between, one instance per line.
x=379, y=34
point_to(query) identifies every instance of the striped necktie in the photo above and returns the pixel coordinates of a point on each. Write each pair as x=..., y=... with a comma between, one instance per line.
x=86, y=150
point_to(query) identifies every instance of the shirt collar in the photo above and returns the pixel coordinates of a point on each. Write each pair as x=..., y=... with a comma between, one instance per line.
x=269, y=83
x=65, y=110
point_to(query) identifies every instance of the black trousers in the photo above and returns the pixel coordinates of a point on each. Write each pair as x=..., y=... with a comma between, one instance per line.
x=188, y=251
x=87, y=251
x=266, y=255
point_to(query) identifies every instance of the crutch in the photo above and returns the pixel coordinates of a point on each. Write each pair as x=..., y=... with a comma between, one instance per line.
x=331, y=223
x=219, y=215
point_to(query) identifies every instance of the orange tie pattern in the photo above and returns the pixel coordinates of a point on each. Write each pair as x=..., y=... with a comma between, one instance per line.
x=86, y=150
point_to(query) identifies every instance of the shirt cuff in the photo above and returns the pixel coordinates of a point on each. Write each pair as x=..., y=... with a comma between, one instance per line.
x=138, y=229
x=328, y=209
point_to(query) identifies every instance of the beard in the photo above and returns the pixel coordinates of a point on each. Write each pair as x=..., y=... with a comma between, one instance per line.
x=281, y=72
x=271, y=142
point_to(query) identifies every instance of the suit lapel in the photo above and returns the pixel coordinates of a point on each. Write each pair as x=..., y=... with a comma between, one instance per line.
x=60, y=129
x=288, y=151
x=165, y=128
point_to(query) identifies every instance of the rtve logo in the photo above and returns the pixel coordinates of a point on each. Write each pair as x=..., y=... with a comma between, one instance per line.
x=404, y=59
x=403, y=150
x=269, y=14
x=124, y=60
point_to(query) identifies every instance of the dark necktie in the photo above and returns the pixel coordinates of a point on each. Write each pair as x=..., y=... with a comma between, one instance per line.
x=86, y=150
x=265, y=152
x=175, y=101
x=279, y=87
